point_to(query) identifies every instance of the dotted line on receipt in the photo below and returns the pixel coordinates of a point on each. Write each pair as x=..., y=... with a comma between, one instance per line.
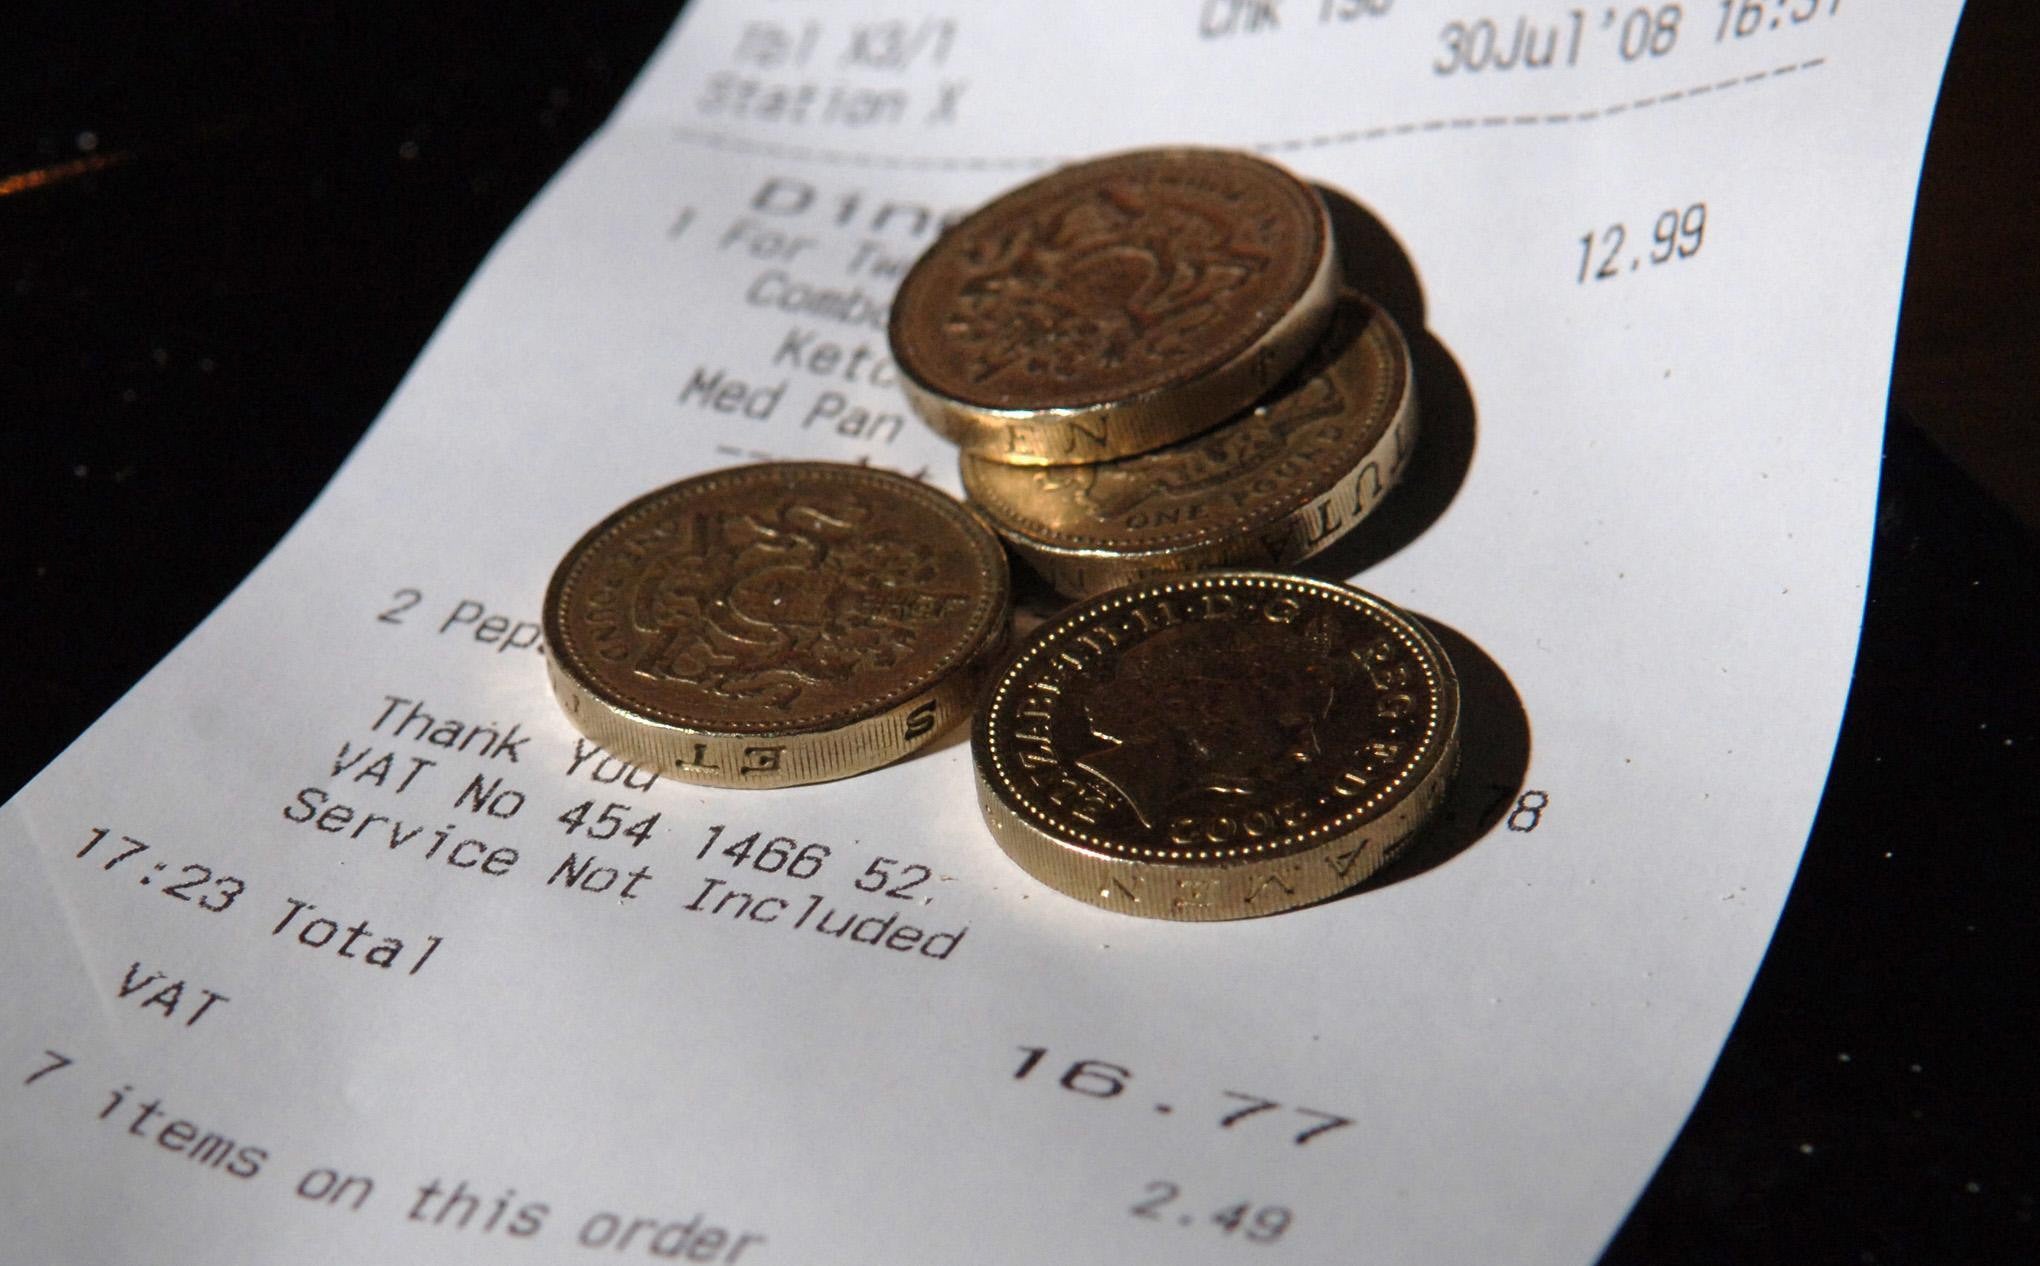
x=753, y=454
x=1459, y=123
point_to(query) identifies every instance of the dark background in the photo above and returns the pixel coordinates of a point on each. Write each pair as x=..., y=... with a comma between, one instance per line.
x=226, y=231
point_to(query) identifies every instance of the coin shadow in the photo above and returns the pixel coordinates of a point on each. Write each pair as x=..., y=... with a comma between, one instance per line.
x=1035, y=602
x=1375, y=264
x=951, y=737
x=1494, y=759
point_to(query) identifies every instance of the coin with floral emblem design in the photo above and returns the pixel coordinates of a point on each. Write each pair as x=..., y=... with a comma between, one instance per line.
x=771, y=625
x=1114, y=306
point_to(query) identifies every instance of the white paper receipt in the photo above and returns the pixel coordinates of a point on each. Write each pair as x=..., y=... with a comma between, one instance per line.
x=334, y=943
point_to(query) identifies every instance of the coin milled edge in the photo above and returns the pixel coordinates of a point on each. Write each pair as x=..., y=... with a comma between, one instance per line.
x=1276, y=536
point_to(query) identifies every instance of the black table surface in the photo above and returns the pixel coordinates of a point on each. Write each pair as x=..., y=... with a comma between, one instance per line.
x=227, y=230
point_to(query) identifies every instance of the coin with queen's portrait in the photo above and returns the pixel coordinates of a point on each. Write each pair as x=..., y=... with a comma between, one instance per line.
x=1216, y=746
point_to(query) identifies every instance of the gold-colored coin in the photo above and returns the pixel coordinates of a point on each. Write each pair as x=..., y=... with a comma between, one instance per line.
x=1115, y=306
x=1267, y=489
x=1216, y=746
x=772, y=625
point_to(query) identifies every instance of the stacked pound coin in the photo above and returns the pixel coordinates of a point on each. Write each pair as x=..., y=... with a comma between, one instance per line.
x=1156, y=381
x=1150, y=368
